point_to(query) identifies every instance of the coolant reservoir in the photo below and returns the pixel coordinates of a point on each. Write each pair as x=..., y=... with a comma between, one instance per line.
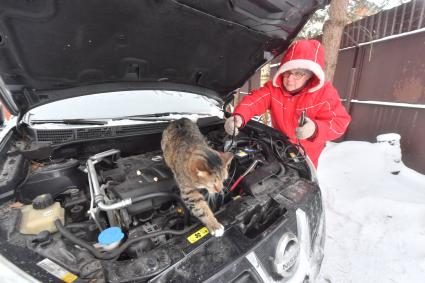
x=41, y=215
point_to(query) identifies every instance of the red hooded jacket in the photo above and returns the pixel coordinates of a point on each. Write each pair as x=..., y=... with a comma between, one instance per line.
x=319, y=98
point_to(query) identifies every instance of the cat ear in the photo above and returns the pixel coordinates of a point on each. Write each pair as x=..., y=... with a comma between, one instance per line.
x=199, y=168
x=227, y=157
x=200, y=173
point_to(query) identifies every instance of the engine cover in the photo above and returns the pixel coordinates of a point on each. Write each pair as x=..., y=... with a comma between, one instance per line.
x=140, y=175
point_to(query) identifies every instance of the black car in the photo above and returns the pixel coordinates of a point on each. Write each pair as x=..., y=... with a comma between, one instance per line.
x=84, y=191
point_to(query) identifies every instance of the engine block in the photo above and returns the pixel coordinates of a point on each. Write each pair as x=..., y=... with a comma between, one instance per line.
x=140, y=175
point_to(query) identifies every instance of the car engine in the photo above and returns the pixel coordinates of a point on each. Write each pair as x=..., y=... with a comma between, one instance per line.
x=134, y=201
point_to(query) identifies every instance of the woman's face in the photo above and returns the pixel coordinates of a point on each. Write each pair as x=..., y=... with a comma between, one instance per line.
x=295, y=79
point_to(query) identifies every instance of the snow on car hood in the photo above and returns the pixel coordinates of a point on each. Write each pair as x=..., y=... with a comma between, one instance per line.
x=115, y=106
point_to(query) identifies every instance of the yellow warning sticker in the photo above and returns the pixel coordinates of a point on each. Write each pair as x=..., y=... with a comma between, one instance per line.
x=69, y=277
x=57, y=270
x=198, y=235
x=241, y=153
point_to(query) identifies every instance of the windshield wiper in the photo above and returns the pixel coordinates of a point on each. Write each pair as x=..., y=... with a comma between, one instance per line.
x=157, y=116
x=71, y=122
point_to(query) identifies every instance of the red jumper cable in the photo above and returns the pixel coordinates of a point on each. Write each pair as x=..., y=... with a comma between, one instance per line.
x=247, y=171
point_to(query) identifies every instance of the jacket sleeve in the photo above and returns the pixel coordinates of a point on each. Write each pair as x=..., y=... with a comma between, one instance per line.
x=256, y=103
x=331, y=119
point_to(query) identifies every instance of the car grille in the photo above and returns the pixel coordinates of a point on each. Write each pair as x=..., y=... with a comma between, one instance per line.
x=55, y=136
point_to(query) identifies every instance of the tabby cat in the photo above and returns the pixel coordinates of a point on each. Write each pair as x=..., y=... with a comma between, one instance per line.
x=195, y=166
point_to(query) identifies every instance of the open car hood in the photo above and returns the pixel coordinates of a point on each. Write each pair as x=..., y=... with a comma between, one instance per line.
x=49, y=46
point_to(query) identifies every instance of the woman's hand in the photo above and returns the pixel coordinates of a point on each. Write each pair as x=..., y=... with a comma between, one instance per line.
x=307, y=130
x=232, y=125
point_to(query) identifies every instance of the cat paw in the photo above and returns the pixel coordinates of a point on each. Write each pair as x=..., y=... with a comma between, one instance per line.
x=218, y=232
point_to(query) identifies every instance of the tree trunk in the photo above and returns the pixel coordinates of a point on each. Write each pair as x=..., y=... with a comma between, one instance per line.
x=332, y=34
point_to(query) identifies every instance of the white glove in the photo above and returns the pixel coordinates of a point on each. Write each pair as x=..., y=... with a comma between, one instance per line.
x=307, y=130
x=232, y=124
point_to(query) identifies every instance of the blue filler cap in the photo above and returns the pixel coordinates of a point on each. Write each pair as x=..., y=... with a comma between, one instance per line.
x=110, y=236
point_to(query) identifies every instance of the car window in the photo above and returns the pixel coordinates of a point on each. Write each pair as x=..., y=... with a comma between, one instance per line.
x=126, y=103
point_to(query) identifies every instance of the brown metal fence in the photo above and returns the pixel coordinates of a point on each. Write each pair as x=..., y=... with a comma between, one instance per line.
x=385, y=92
x=399, y=20
x=380, y=76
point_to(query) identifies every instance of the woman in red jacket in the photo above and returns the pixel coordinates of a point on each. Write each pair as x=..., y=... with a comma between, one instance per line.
x=298, y=86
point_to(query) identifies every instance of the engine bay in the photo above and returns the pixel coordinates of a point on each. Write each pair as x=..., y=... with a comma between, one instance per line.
x=64, y=205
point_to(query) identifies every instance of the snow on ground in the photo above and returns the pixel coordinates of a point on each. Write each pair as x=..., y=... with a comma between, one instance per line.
x=375, y=220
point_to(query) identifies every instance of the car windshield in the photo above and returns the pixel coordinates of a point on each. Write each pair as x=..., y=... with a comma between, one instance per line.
x=123, y=104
